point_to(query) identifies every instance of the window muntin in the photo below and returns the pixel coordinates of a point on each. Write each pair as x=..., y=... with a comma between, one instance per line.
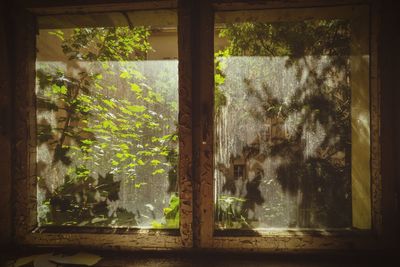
x=107, y=109
x=292, y=105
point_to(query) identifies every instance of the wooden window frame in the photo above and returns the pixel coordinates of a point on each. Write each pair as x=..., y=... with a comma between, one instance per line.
x=196, y=102
x=206, y=236
x=26, y=230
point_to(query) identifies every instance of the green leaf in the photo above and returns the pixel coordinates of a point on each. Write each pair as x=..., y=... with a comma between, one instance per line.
x=138, y=185
x=158, y=171
x=135, y=88
x=124, y=146
x=58, y=33
x=138, y=75
x=59, y=89
x=135, y=108
x=126, y=111
x=125, y=75
x=98, y=86
x=87, y=142
x=156, y=225
x=219, y=79
x=85, y=99
x=107, y=124
x=155, y=162
x=109, y=103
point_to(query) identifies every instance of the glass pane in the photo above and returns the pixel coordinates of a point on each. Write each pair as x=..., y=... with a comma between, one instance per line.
x=107, y=109
x=286, y=95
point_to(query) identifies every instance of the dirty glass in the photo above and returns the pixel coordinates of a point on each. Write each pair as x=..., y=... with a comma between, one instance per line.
x=107, y=107
x=283, y=115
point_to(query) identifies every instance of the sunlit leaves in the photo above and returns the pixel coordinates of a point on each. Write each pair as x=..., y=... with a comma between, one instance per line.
x=87, y=142
x=135, y=88
x=125, y=75
x=171, y=215
x=121, y=43
x=109, y=124
x=139, y=185
x=136, y=108
x=82, y=172
x=59, y=89
x=158, y=171
x=110, y=120
x=109, y=103
x=58, y=33
x=155, y=162
x=219, y=79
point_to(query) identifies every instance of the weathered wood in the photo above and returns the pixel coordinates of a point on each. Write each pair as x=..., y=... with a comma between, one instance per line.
x=203, y=93
x=285, y=14
x=196, y=32
x=151, y=18
x=206, y=190
x=42, y=7
x=222, y=5
x=298, y=240
x=375, y=111
x=25, y=161
x=5, y=123
x=185, y=43
x=291, y=242
x=24, y=126
x=141, y=241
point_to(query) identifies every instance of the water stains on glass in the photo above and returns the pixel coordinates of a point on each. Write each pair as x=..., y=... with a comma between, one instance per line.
x=282, y=125
x=107, y=126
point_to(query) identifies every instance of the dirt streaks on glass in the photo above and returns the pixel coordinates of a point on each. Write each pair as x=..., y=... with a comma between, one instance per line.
x=282, y=125
x=107, y=127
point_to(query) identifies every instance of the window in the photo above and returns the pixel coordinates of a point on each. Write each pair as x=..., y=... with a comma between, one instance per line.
x=292, y=103
x=103, y=125
x=107, y=107
x=240, y=127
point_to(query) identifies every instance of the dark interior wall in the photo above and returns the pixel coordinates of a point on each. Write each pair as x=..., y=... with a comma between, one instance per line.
x=5, y=134
x=389, y=71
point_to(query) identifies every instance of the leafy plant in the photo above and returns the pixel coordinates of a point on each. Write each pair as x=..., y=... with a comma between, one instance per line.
x=109, y=121
x=171, y=214
x=229, y=213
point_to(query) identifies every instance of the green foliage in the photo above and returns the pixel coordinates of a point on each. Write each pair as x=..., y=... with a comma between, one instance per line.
x=293, y=39
x=315, y=177
x=171, y=214
x=229, y=212
x=106, y=44
x=219, y=79
x=98, y=130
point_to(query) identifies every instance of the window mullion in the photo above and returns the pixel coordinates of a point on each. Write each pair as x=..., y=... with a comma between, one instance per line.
x=203, y=94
